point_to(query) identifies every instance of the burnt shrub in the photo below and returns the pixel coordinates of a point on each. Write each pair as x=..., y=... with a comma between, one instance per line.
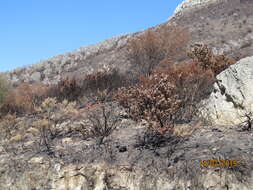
x=91, y=86
x=4, y=88
x=147, y=50
x=107, y=81
x=100, y=122
x=167, y=96
x=207, y=59
x=24, y=99
x=67, y=88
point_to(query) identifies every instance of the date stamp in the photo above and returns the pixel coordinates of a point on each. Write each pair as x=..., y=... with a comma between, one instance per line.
x=218, y=163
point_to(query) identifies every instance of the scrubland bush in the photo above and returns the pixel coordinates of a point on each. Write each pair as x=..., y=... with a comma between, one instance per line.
x=67, y=89
x=48, y=124
x=167, y=97
x=147, y=50
x=24, y=99
x=107, y=81
x=4, y=88
x=207, y=60
x=168, y=94
x=90, y=86
x=101, y=121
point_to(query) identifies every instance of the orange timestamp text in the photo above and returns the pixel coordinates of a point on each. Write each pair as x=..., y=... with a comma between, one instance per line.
x=218, y=163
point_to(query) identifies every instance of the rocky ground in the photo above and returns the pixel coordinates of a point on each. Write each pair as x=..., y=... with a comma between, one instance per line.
x=129, y=159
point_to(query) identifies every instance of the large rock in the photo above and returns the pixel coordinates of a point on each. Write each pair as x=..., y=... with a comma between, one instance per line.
x=233, y=94
x=190, y=4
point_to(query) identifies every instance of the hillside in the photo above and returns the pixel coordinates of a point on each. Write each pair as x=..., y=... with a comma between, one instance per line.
x=223, y=25
x=165, y=108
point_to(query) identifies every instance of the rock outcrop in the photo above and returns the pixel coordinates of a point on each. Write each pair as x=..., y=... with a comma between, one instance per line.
x=233, y=94
x=188, y=5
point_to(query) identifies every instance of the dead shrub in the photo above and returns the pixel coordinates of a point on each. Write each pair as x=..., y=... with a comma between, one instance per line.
x=47, y=134
x=90, y=86
x=8, y=124
x=167, y=97
x=67, y=89
x=204, y=55
x=24, y=99
x=53, y=113
x=194, y=84
x=101, y=121
x=106, y=82
x=4, y=88
x=147, y=50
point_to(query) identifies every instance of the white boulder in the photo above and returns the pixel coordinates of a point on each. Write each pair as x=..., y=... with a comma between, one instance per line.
x=233, y=95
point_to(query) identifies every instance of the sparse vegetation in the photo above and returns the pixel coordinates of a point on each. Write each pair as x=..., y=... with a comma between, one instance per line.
x=24, y=99
x=67, y=89
x=4, y=88
x=172, y=95
x=101, y=121
x=48, y=124
x=167, y=97
x=147, y=50
x=90, y=86
x=207, y=60
x=7, y=125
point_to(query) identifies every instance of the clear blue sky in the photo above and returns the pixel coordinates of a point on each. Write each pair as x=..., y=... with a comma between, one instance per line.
x=32, y=30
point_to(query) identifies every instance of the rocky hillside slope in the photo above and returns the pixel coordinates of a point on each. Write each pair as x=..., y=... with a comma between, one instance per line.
x=49, y=148
x=225, y=25
x=129, y=159
x=85, y=60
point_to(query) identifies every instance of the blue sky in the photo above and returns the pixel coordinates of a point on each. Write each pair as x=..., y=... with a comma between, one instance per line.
x=33, y=30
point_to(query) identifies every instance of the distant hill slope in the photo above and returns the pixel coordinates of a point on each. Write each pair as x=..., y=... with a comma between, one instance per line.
x=225, y=25
x=85, y=60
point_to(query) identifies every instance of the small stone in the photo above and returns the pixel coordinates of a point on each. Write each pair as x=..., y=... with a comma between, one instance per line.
x=67, y=140
x=37, y=160
x=123, y=149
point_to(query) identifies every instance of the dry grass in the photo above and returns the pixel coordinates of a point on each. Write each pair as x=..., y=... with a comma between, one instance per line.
x=8, y=125
x=185, y=130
